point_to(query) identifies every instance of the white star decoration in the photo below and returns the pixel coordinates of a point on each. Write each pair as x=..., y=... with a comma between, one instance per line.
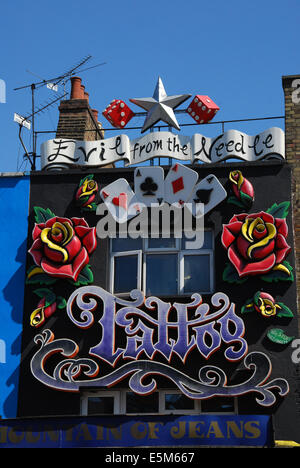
x=160, y=107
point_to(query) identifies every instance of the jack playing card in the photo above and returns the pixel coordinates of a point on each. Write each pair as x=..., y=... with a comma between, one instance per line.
x=207, y=194
x=179, y=184
x=149, y=184
x=120, y=200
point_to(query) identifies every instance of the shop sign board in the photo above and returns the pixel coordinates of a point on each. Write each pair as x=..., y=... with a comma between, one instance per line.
x=64, y=153
x=141, y=431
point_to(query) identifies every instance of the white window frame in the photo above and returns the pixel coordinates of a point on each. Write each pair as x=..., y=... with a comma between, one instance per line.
x=146, y=250
x=161, y=252
x=123, y=403
x=127, y=253
x=184, y=253
x=164, y=249
x=102, y=393
x=162, y=406
x=119, y=396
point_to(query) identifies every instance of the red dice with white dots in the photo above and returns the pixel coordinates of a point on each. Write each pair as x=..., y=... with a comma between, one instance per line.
x=118, y=113
x=202, y=109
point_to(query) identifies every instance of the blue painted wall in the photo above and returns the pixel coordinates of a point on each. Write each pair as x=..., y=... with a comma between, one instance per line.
x=14, y=203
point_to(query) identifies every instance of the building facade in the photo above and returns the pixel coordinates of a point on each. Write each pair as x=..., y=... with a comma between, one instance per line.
x=137, y=315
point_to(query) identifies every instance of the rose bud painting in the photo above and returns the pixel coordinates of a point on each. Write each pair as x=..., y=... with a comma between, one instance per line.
x=242, y=190
x=42, y=312
x=86, y=193
x=263, y=303
x=46, y=307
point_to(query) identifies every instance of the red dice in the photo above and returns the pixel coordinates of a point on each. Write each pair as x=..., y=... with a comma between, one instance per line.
x=202, y=109
x=118, y=113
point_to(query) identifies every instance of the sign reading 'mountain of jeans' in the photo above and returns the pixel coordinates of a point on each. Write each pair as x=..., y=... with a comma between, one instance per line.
x=105, y=431
x=63, y=153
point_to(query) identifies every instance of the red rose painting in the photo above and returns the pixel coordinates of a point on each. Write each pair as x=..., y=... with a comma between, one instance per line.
x=61, y=246
x=256, y=243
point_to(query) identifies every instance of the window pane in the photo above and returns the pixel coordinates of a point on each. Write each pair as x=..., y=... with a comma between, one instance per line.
x=175, y=401
x=141, y=404
x=161, y=274
x=123, y=245
x=218, y=405
x=196, y=273
x=126, y=271
x=101, y=405
x=207, y=240
x=162, y=243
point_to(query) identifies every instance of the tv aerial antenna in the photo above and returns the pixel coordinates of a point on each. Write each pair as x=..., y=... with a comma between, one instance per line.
x=51, y=83
x=26, y=122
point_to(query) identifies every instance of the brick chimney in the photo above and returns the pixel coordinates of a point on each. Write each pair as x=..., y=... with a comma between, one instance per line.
x=291, y=88
x=76, y=118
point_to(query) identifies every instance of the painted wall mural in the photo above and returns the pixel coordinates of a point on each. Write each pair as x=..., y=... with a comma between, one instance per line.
x=141, y=340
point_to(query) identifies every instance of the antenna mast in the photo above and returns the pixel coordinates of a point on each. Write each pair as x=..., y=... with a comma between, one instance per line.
x=33, y=153
x=54, y=81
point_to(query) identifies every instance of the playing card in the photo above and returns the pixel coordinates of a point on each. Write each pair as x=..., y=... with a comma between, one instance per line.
x=121, y=200
x=149, y=184
x=207, y=194
x=179, y=184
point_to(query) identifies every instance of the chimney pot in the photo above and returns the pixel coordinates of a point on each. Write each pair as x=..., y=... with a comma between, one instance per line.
x=82, y=91
x=76, y=118
x=95, y=113
x=76, y=92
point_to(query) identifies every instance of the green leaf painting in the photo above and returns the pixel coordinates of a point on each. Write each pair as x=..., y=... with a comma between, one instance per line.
x=280, y=210
x=42, y=215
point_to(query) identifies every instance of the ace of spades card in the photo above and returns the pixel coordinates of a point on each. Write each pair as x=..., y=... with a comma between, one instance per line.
x=149, y=184
x=179, y=184
x=120, y=200
x=207, y=194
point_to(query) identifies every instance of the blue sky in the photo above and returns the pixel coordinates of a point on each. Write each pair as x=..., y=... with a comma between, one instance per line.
x=236, y=52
